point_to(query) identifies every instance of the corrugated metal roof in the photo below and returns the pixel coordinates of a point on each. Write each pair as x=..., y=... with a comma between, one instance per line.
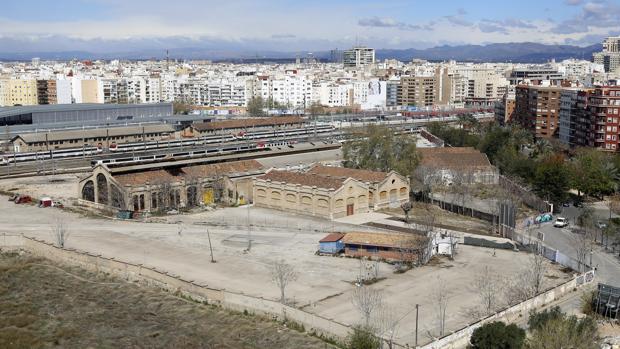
x=10, y=111
x=94, y=133
x=333, y=237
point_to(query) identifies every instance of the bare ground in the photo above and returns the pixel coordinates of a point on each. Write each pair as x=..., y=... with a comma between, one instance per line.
x=46, y=305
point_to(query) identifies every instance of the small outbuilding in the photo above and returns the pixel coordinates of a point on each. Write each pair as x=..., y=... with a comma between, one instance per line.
x=331, y=244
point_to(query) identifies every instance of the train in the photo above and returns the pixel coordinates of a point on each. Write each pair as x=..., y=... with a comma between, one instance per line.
x=99, y=149
x=238, y=148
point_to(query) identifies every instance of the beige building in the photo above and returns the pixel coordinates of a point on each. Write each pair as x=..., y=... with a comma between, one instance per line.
x=311, y=194
x=385, y=189
x=90, y=91
x=171, y=187
x=18, y=92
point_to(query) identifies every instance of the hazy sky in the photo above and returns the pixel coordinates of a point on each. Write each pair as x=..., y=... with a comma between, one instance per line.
x=288, y=25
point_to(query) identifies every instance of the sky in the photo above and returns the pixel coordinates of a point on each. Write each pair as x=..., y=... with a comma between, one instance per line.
x=299, y=25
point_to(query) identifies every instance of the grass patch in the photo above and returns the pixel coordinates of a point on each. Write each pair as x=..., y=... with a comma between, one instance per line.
x=46, y=305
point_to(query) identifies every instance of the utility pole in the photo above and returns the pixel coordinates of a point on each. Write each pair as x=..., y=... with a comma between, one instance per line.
x=249, y=230
x=210, y=247
x=417, y=306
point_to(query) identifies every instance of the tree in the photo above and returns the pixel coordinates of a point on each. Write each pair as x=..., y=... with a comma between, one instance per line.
x=363, y=337
x=282, y=274
x=440, y=297
x=315, y=110
x=407, y=207
x=487, y=287
x=593, y=172
x=497, y=335
x=181, y=107
x=376, y=148
x=554, y=329
x=366, y=300
x=60, y=232
x=552, y=179
x=255, y=106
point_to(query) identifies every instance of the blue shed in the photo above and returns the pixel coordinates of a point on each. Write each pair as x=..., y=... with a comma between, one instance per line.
x=332, y=243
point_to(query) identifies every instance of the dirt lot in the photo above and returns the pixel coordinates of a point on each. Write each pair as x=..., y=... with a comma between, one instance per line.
x=45, y=305
x=60, y=187
x=324, y=285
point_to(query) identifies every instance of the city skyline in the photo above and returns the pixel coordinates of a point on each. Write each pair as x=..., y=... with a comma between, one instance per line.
x=285, y=26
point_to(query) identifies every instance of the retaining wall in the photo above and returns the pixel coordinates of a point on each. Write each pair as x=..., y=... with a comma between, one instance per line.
x=460, y=338
x=173, y=283
x=237, y=301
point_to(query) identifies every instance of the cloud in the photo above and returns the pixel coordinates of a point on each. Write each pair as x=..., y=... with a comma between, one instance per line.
x=283, y=36
x=503, y=26
x=457, y=20
x=461, y=11
x=387, y=22
x=573, y=2
x=593, y=14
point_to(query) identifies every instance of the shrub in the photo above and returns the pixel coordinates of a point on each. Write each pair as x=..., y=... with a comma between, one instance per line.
x=497, y=335
x=363, y=337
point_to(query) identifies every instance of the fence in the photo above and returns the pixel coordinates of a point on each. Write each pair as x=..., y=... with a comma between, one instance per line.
x=460, y=338
x=528, y=197
x=464, y=210
x=551, y=254
x=173, y=283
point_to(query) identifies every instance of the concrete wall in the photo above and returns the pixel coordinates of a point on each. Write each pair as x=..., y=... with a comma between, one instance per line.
x=460, y=338
x=153, y=277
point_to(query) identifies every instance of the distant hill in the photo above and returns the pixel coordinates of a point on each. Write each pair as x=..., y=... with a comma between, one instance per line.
x=526, y=52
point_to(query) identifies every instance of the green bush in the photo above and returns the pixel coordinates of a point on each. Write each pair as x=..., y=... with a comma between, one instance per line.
x=497, y=335
x=363, y=337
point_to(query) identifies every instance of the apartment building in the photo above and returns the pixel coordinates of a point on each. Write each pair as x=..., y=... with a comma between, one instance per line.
x=419, y=91
x=576, y=127
x=358, y=57
x=18, y=92
x=610, y=56
x=505, y=108
x=604, y=105
x=537, y=109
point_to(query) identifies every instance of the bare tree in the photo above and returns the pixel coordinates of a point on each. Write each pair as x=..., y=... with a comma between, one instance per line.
x=527, y=283
x=387, y=325
x=582, y=244
x=60, y=231
x=407, y=207
x=487, y=287
x=536, y=270
x=366, y=300
x=440, y=297
x=282, y=274
x=428, y=218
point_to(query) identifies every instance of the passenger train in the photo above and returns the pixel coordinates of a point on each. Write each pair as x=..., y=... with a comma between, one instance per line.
x=271, y=137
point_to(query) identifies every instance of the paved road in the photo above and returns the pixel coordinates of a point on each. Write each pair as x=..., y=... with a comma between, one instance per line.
x=563, y=239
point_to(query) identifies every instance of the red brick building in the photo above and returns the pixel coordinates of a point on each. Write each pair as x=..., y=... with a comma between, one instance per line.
x=605, y=114
x=537, y=108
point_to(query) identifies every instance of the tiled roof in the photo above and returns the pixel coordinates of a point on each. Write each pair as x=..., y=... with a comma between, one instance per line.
x=333, y=237
x=190, y=172
x=361, y=175
x=307, y=179
x=248, y=123
x=95, y=133
x=382, y=239
x=459, y=157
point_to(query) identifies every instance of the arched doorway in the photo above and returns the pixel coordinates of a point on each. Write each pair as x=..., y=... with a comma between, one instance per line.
x=102, y=189
x=88, y=191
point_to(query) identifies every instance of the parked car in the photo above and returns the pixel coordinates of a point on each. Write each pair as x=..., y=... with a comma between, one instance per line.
x=560, y=222
x=601, y=225
x=566, y=204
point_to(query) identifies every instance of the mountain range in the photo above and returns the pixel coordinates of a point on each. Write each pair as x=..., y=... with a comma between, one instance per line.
x=526, y=52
